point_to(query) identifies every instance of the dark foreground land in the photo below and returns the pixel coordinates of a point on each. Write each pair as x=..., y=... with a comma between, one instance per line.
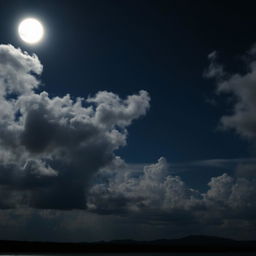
x=187, y=244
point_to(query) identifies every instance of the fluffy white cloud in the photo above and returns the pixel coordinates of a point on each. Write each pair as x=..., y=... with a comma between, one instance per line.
x=242, y=87
x=157, y=195
x=16, y=71
x=51, y=146
x=230, y=193
x=122, y=189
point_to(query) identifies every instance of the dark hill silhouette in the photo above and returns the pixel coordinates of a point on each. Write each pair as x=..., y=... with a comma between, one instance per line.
x=186, y=244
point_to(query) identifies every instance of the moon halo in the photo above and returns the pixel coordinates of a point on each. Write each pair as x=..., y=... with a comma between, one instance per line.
x=31, y=30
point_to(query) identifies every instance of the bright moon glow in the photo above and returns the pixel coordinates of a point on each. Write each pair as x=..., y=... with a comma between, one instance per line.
x=31, y=31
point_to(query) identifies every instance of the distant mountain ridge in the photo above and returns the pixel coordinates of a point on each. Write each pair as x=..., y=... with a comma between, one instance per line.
x=191, y=238
x=187, y=244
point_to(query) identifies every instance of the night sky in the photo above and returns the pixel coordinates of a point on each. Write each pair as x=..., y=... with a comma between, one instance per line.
x=129, y=120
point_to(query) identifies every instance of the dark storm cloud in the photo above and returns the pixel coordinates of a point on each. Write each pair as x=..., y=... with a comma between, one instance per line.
x=50, y=147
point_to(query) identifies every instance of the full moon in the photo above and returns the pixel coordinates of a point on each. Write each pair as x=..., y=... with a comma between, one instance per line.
x=31, y=31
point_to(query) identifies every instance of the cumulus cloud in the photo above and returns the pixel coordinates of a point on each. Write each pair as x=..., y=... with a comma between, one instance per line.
x=16, y=71
x=122, y=188
x=59, y=153
x=51, y=146
x=231, y=193
x=156, y=194
x=242, y=88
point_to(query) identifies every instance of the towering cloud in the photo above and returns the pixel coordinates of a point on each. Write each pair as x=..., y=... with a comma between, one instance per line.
x=51, y=146
x=153, y=188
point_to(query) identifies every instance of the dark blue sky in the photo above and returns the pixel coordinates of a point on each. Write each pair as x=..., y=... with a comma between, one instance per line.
x=158, y=46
